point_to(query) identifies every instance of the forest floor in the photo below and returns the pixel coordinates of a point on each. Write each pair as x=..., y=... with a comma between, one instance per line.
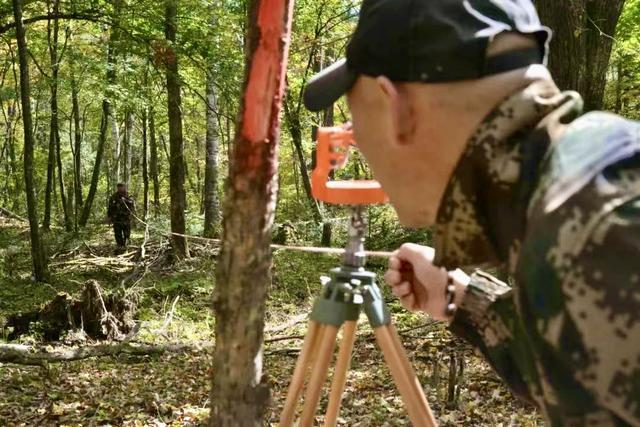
x=173, y=388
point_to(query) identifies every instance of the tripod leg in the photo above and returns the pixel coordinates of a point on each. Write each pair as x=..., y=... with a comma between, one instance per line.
x=340, y=373
x=405, y=379
x=414, y=382
x=318, y=374
x=297, y=381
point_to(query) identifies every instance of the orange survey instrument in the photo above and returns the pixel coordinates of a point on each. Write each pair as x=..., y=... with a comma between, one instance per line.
x=332, y=153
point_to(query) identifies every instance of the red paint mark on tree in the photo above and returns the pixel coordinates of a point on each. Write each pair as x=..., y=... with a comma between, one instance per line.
x=265, y=87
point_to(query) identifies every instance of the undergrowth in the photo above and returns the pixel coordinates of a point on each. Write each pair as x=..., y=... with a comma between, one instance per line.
x=175, y=306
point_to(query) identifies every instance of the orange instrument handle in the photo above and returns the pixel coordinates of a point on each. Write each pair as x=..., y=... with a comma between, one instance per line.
x=332, y=153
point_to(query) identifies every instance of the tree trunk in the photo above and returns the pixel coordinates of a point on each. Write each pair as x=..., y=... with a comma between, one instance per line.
x=37, y=247
x=176, y=165
x=153, y=161
x=104, y=125
x=211, y=205
x=11, y=117
x=295, y=129
x=619, y=79
x=51, y=161
x=14, y=116
x=54, y=128
x=239, y=395
x=145, y=174
x=116, y=176
x=126, y=147
x=582, y=42
x=77, y=146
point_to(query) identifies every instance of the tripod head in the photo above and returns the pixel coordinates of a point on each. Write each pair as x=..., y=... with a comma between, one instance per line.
x=334, y=144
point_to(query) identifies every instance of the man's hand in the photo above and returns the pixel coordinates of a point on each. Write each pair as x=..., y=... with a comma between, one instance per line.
x=420, y=285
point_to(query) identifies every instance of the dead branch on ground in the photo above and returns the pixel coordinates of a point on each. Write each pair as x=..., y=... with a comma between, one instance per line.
x=27, y=355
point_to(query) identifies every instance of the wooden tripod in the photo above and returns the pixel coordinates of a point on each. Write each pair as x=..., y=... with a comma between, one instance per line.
x=349, y=291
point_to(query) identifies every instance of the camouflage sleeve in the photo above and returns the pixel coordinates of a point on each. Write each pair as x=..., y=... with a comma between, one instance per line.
x=602, y=296
x=110, y=208
x=487, y=319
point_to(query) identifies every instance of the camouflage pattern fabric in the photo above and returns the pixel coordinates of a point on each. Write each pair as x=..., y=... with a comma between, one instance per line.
x=555, y=198
x=120, y=208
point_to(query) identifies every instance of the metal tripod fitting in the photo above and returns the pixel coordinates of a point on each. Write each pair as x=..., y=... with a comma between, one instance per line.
x=354, y=255
x=348, y=291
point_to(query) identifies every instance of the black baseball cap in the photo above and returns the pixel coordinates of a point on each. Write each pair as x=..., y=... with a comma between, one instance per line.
x=429, y=41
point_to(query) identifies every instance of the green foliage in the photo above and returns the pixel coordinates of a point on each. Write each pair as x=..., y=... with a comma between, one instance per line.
x=623, y=89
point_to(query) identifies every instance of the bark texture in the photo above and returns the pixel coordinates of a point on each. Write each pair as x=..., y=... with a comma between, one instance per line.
x=239, y=395
x=582, y=42
x=37, y=248
x=176, y=143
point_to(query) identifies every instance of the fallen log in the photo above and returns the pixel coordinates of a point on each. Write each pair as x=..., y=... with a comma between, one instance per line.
x=28, y=355
x=7, y=213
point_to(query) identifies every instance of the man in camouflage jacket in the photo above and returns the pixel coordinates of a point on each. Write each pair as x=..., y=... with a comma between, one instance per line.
x=119, y=210
x=468, y=132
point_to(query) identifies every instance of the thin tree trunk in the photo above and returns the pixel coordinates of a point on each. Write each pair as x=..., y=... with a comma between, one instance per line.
x=14, y=162
x=51, y=161
x=37, y=247
x=54, y=129
x=582, y=42
x=11, y=116
x=327, y=232
x=199, y=185
x=14, y=115
x=153, y=161
x=327, y=121
x=77, y=147
x=126, y=147
x=145, y=174
x=104, y=125
x=176, y=165
x=239, y=395
x=115, y=135
x=211, y=205
x=619, y=79
x=295, y=129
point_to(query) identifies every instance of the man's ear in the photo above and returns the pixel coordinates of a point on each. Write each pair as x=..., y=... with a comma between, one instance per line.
x=390, y=94
x=389, y=90
x=398, y=108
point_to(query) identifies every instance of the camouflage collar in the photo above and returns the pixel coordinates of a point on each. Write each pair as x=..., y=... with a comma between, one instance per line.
x=483, y=210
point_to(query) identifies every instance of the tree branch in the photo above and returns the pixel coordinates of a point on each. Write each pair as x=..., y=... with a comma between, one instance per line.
x=89, y=15
x=26, y=355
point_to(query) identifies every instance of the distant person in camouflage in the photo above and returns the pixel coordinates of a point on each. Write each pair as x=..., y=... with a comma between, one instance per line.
x=464, y=127
x=121, y=207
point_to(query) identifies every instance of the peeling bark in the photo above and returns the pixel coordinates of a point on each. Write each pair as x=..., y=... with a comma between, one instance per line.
x=239, y=395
